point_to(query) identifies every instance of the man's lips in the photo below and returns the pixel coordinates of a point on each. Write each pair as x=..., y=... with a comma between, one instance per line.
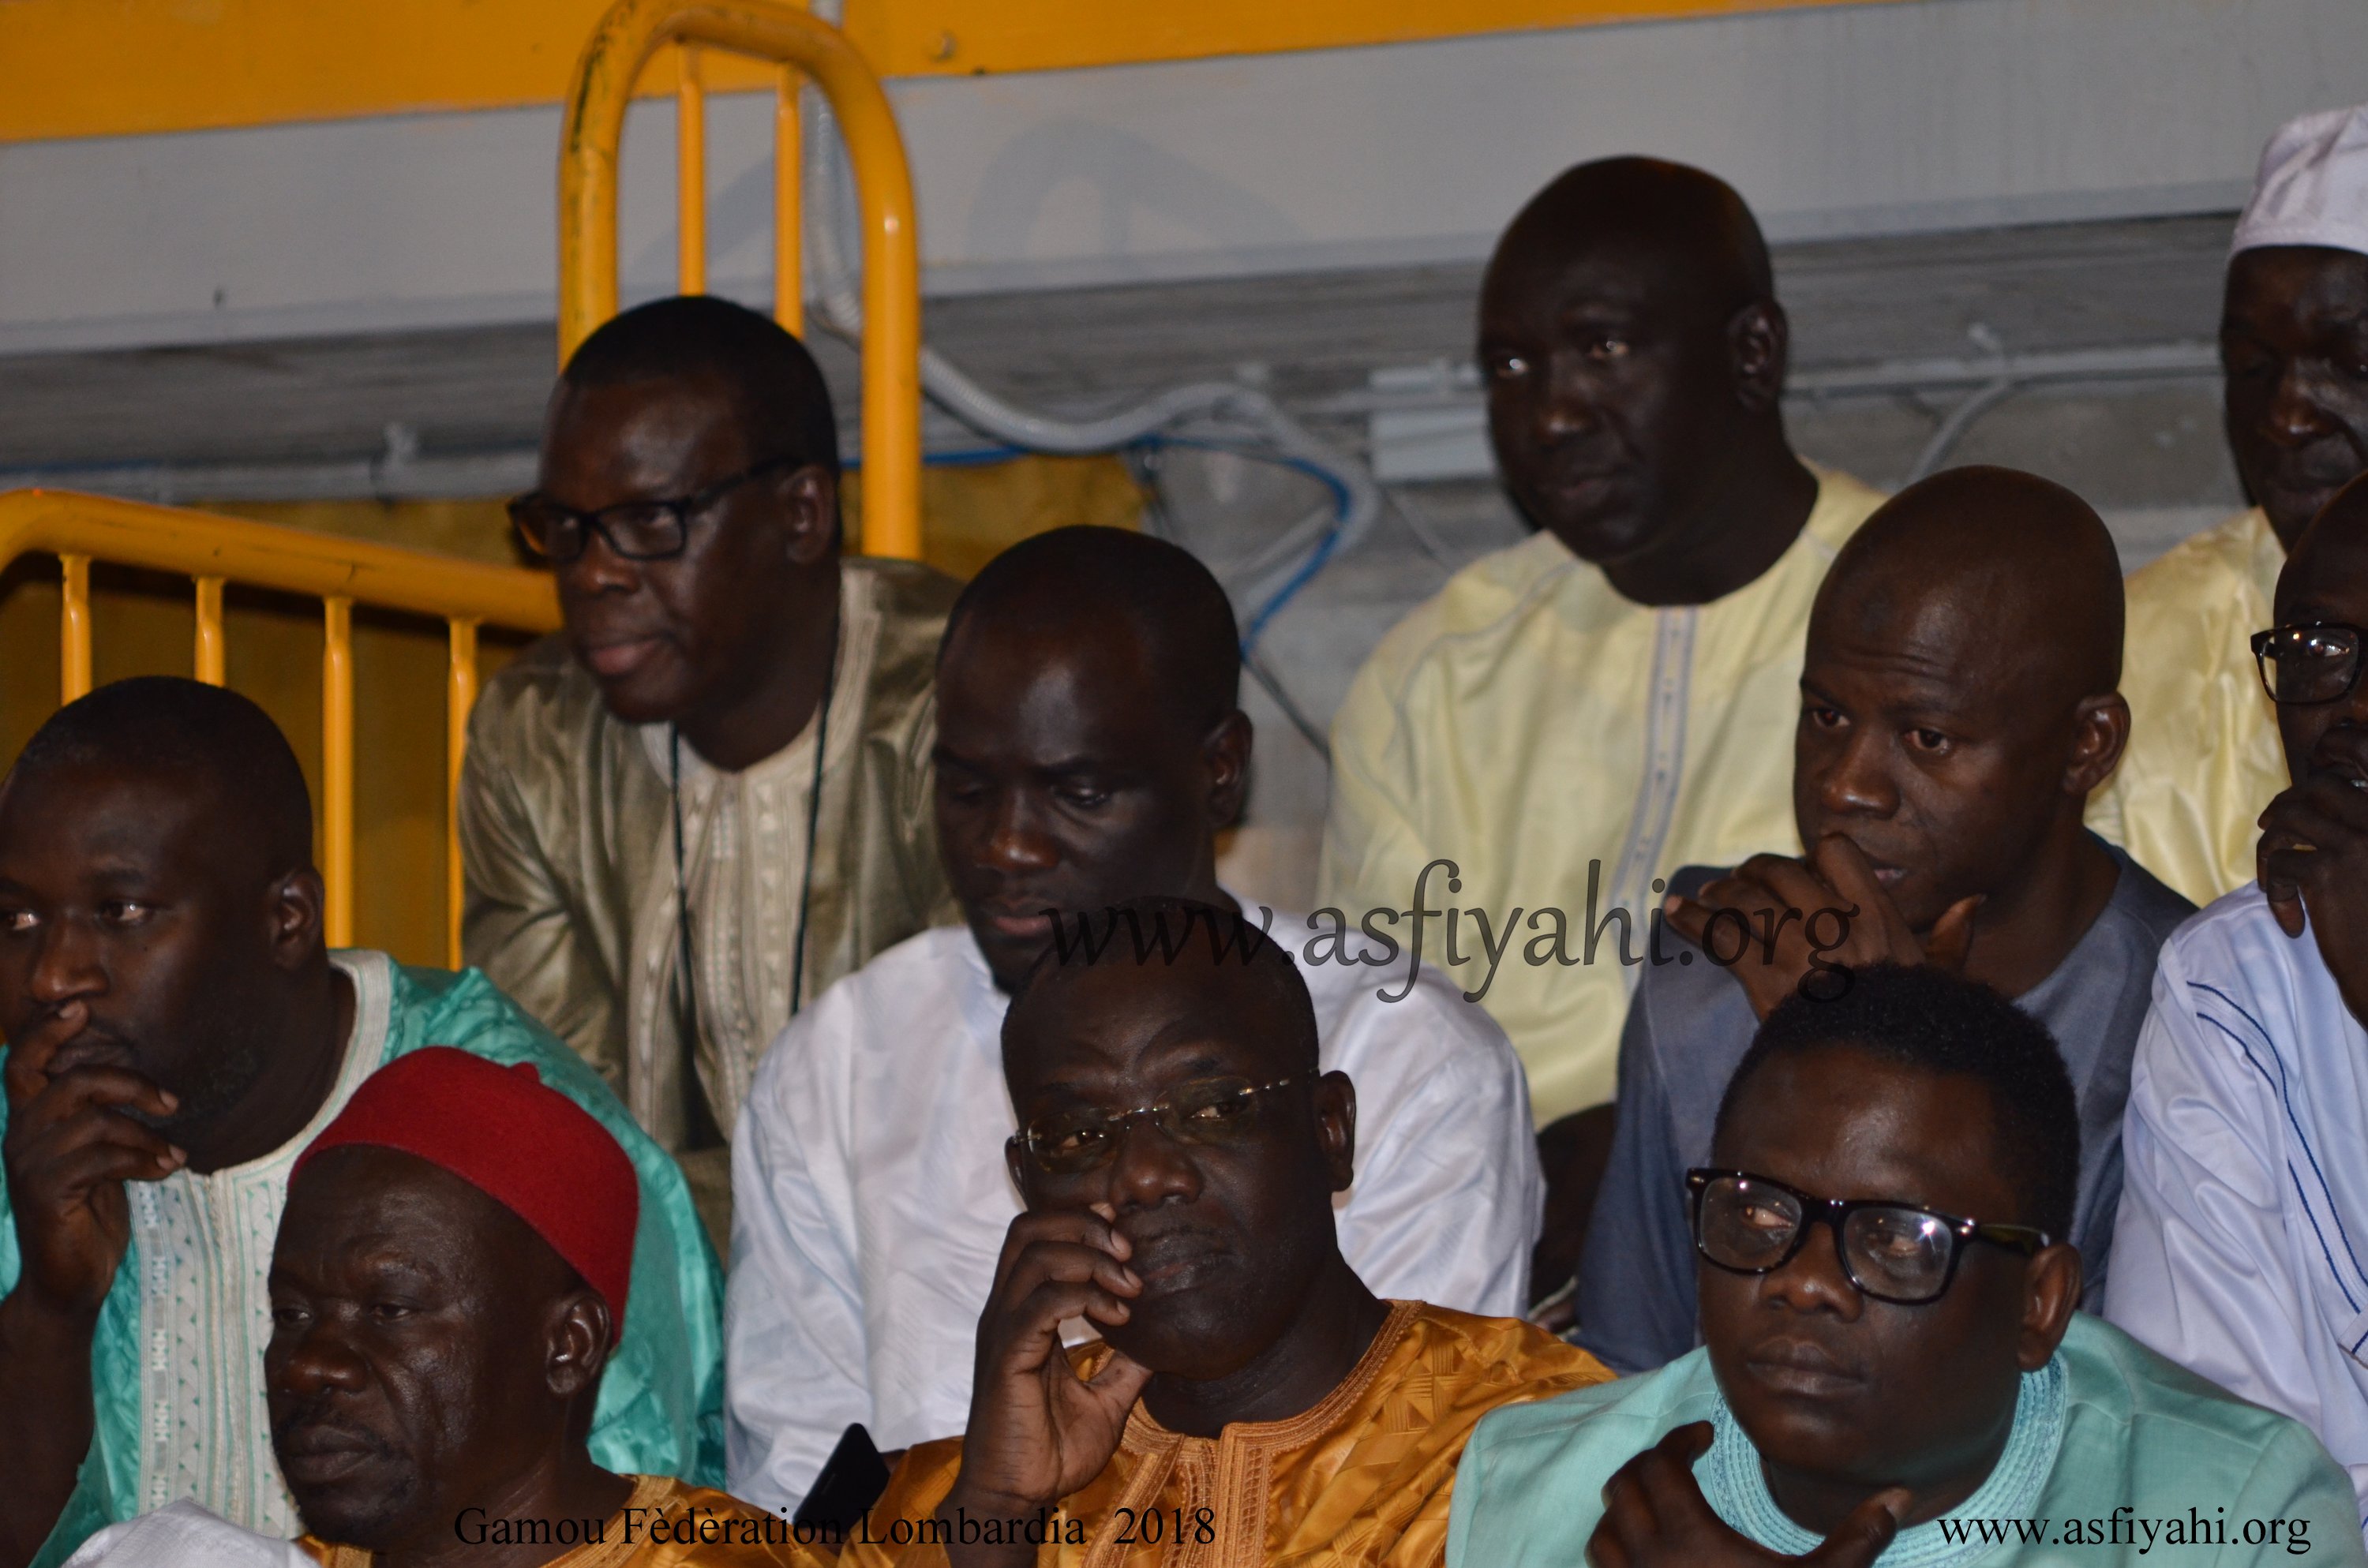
x=315, y=1456
x=1026, y=919
x=1799, y=1368
x=90, y=1048
x=618, y=657
x=1170, y=1257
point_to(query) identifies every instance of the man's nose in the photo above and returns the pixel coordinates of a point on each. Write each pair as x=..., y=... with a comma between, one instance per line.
x=66, y=965
x=599, y=570
x=1016, y=839
x=320, y=1357
x=1814, y=1281
x=1150, y=1168
x=1857, y=782
x=1566, y=410
x=2297, y=414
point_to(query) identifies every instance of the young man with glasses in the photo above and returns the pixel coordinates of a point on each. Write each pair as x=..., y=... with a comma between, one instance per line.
x=1893, y=1370
x=2243, y=1223
x=2202, y=759
x=1957, y=705
x=1249, y=1398
x=706, y=800
x=1090, y=748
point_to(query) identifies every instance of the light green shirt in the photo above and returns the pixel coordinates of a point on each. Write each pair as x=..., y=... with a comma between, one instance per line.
x=186, y=1417
x=2117, y=1456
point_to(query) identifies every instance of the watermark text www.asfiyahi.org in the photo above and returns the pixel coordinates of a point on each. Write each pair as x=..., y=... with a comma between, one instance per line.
x=1539, y=936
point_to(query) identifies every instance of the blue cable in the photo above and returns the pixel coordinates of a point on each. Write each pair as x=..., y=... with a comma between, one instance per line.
x=1317, y=559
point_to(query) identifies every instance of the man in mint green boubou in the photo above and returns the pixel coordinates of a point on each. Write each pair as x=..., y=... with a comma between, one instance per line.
x=1892, y=1370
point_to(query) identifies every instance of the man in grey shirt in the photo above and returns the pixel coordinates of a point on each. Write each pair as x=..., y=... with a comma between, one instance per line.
x=1958, y=706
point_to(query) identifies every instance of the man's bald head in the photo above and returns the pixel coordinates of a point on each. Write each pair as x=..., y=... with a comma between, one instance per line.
x=2330, y=558
x=2006, y=558
x=1119, y=588
x=205, y=740
x=1958, y=692
x=1687, y=224
x=1209, y=950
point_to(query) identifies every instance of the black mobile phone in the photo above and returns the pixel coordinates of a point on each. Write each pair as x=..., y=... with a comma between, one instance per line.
x=849, y=1483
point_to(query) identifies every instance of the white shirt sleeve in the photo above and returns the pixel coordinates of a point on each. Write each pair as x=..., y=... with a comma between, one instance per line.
x=1448, y=1198
x=793, y=1328
x=183, y=1535
x=2203, y=1267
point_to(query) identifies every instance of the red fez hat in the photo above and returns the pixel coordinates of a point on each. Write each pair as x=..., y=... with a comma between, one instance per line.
x=526, y=1146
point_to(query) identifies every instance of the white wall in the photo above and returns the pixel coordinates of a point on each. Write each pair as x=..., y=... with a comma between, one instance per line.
x=1835, y=120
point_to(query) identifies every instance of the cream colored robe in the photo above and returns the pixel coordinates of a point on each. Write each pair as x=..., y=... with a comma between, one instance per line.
x=1549, y=736
x=2204, y=758
x=567, y=842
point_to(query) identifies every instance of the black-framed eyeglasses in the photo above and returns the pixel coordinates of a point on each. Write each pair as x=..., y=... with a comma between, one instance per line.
x=1901, y=1253
x=1207, y=1111
x=637, y=530
x=2309, y=663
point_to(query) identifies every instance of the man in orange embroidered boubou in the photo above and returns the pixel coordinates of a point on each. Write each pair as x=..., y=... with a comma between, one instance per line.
x=1251, y=1402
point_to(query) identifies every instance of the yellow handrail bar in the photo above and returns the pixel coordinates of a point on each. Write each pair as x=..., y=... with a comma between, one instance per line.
x=340, y=573
x=628, y=36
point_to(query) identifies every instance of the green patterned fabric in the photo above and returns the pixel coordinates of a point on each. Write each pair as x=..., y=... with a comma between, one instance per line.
x=660, y=1411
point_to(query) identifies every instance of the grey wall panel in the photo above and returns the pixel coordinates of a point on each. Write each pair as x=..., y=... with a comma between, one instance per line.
x=1835, y=120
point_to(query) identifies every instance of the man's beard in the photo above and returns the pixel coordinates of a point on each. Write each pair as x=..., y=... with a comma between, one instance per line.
x=232, y=1068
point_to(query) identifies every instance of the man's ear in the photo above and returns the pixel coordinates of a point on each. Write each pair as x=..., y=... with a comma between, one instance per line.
x=1335, y=1127
x=2100, y=729
x=582, y=1334
x=296, y=902
x=1759, y=338
x=808, y=497
x=2051, y=1291
x=1226, y=755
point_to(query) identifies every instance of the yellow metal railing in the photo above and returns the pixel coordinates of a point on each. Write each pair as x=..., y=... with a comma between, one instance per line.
x=622, y=46
x=341, y=573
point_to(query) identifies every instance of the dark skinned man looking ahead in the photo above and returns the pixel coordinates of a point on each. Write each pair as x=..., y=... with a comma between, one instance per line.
x=1891, y=1359
x=2204, y=755
x=176, y=1030
x=1571, y=719
x=1957, y=704
x=1179, y=1146
x=720, y=663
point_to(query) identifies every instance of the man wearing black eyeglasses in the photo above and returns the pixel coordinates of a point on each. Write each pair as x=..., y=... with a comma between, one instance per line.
x=708, y=797
x=2244, y=1222
x=1893, y=1368
x=1957, y=705
x=1249, y=1399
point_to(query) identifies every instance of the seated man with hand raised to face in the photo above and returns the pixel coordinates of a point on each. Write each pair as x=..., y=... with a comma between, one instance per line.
x=1957, y=705
x=1892, y=1370
x=177, y=1032
x=1090, y=746
x=452, y=1274
x=2246, y=1199
x=708, y=798
x=1251, y=1401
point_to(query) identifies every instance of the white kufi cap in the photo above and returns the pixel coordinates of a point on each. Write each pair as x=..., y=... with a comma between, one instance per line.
x=2313, y=184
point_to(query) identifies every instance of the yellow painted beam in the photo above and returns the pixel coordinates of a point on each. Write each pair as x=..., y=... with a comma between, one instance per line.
x=121, y=67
